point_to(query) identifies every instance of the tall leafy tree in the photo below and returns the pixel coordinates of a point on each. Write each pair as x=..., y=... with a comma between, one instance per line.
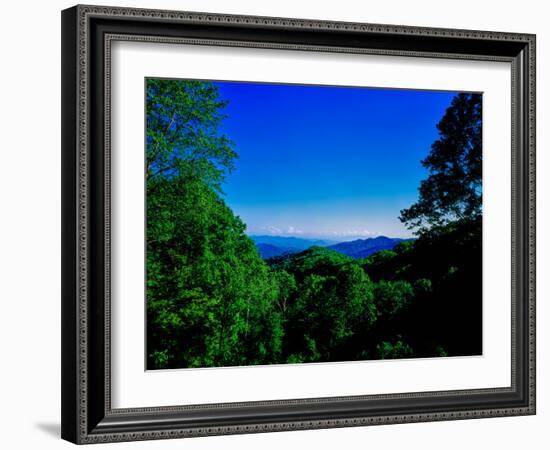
x=210, y=298
x=452, y=191
x=182, y=137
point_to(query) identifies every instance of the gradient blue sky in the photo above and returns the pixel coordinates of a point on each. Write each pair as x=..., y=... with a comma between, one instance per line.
x=327, y=162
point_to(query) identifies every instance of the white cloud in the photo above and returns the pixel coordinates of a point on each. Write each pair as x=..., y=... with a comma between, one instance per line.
x=292, y=230
x=344, y=233
x=270, y=230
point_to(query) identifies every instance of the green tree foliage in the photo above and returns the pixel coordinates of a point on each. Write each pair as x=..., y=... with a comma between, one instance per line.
x=183, y=118
x=392, y=296
x=211, y=300
x=399, y=349
x=443, y=270
x=328, y=309
x=452, y=191
x=286, y=285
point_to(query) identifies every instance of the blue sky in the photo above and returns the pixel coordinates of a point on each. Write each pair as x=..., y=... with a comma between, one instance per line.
x=327, y=162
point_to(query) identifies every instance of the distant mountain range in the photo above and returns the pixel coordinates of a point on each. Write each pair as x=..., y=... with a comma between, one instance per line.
x=361, y=248
x=272, y=246
x=270, y=251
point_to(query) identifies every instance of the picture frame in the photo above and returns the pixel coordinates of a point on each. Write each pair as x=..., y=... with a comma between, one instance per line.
x=87, y=413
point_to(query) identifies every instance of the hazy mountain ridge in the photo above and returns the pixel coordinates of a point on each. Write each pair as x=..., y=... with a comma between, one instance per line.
x=361, y=248
x=275, y=246
x=290, y=241
x=270, y=251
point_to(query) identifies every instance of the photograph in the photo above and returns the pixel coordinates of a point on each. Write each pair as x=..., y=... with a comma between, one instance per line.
x=300, y=223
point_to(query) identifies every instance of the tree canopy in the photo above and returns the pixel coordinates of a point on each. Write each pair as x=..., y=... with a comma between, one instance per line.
x=210, y=297
x=182, y=137
x=452, y=191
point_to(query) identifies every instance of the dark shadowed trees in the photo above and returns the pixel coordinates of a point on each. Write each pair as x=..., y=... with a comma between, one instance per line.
x=452, y=191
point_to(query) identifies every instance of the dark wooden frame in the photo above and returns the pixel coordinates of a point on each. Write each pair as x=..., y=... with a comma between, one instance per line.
x=87, y=32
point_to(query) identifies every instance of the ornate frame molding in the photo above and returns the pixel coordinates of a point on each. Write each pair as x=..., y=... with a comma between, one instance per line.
x=86, y=67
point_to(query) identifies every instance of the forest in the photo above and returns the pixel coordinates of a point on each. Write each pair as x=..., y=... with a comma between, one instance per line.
x=212, y=301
